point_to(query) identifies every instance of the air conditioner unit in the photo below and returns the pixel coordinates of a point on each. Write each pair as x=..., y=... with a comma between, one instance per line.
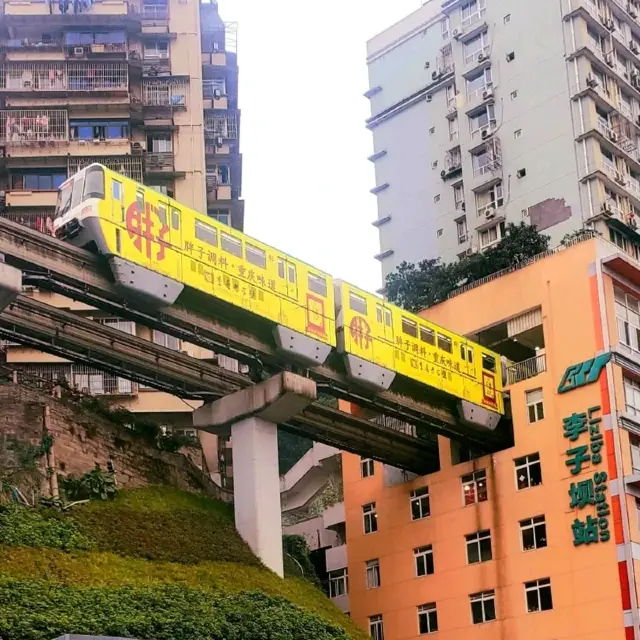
x=216, y=46
x=609, y=24
x=481, y=56
x=78, y=51
x=606, y=209
x=610, y=60
x=138, y=147
x=217, y=93
x=591, y=81
x=485, y=134
x=219, y=141
x=633, y=222
x=456, y=33
x=620, y=179
x=463, y=206
x=443, y=174
x=434, y=75
x=488, y=94
x=490, y=213
x=429, y=97
x=613, y=136
x=452, y=111
x=633, y=46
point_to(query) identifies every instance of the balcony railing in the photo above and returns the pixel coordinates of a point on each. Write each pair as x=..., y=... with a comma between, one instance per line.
x=128, y=166
x=155, y=12
x=39, y=220
x=223, y=126
x=165, y=93
x=526, y=369
x=159, y=162
x=26, y=126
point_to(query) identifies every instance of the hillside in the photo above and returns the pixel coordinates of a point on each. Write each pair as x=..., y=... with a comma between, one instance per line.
x=154, y=564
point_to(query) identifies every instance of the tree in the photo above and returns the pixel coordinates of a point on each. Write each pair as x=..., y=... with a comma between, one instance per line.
x=416, y=287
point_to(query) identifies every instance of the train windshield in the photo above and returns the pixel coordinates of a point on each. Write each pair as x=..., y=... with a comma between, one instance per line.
x=64, y=198
x=94, y=183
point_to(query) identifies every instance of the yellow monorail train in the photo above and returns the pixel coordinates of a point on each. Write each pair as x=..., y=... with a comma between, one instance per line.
x=156, y=247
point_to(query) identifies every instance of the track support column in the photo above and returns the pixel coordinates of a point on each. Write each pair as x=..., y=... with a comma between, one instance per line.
x=10, y=283
x=253, y=415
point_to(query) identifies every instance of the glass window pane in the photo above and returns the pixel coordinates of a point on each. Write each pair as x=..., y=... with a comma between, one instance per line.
x=231, y=245
x=256, y=256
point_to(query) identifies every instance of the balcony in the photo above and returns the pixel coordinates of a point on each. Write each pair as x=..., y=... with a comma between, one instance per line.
x=336, y=557
x=526, y=369
x=38, y=219
x=222, y=127
x=165, y=93
x=32, y=199
x=61, y=78
x=160, y=164
x=129, y=166
x=33, y=127
x=334, y=516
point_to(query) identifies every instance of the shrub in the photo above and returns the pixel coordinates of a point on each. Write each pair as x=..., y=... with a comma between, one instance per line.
x=94, y=485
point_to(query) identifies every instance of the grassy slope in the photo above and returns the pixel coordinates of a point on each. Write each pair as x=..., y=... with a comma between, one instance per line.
x=158, y=536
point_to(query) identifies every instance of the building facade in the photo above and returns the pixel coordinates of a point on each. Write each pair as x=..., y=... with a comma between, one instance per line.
x=147, y=87
x=541, y=540
x=504, y=113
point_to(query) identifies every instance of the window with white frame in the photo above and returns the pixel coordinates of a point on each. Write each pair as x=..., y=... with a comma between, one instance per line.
x=424, y=560
x=370, y=518
x=535, y=405
x=483, y=606
x=538, y=595
x=533, y=532
x=491, y=198
x=427, y=618
x=528, y=471
x=165, y=340
x=476, y=46
x=338, y=583
x=453, y=158
x=376, y=628
x=474, y=487
x=158, y=49
x=478, y=83
x=453, y=129
x=491, y=235
x=471, y=12
x=479, y=547
x=628, y=319
x=632, y=396
x=160, y=143
x=366, y=467
x=451, y=94
x=372, y=573
x=634, y=444
x=420, y=505
x=482, y=120
x=461, y=229
x=458, y=196
x=127, y=326
x=444, y=28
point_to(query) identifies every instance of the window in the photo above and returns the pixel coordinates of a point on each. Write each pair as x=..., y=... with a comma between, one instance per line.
x=291, y=270
x=534, y=533
x=472, y=12
x=98, y=129
x=491, y=235
x=220, y=215
x=317, y=284
x=479, y=547
x=514, y=95
x=370, y=518
x=491, y=198
x=628, y=319
x=231, y=245
x=444, y=28
x=164, y=340
x=383, y=311
x=478, y=83
x=206, y=233
x=476, y=46
x=528, y=471
x=160, y=143
x=175, y=219
x=162, y=214
x=338, y=583
x=427, y=618
x=474, y=487
x=158, y=49
x=376, y=630
x=453, y=129
x=373, y=573
x=444, y=343
x=521, y=173
x=420, y=505
x=410, y=327
x=458, y=196
x=488, y=363
x=482, y=120
x=466, y=353
x=424, y=561
x=517, y=133
x=255, y=256
x=535, y=406
x=427, y=335
x=366, y=467
x=116, y=190
x=632, y=396
x=634, y=444
x=94, y=183
x=357, y=303
x=538, y=594
x=38, y=181
x=483, y=607
x=451, y=95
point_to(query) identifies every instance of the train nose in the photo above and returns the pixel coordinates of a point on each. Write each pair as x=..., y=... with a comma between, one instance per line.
x=69, y=230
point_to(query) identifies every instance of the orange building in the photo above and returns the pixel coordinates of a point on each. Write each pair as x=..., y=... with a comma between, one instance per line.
x=541, y=540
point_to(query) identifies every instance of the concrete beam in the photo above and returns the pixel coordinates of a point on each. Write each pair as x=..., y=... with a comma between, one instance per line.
x=253, y=414
x=10, y=284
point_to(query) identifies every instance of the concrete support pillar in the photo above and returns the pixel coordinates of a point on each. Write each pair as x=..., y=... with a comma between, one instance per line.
x=10, y=284
x=253, y=415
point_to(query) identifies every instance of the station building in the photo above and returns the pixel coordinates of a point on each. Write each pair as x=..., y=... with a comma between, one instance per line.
x=541, y=540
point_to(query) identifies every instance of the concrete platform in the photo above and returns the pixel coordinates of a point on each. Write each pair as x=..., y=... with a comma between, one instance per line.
x=10, y=284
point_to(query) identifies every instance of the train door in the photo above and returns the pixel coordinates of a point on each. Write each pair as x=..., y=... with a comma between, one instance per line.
x=384, y=346
x=117, y=202
x=287, y=287
x=489, y=373
x=169, y=238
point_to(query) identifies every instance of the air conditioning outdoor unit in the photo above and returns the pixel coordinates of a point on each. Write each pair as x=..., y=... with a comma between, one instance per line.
x=490, y=213
x=138, y=147
x=217, y=93
x=480, y=56
x=633, y=46
x=606, y=209
x=488, y=94
x=633, y=222
x=591, y=81
x=613, y=136
x=485, y=134
x=456, y=34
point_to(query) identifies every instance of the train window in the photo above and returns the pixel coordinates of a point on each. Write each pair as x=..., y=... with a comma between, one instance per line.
x=466, y=353
x=256, y=256
x=206, y=233
x=116, y=190
x=387, y=317
x=445, y=343
x=410, y=327
x=428, y=335
x=162, y=214
x=94, y=183
x=292, y=273
x=357, y=303
x=140, y=200
x=280, y=268
x=175, y=219
x=488, y=363
x=318, y=284
x=231, y=245
x=78, y=185
x=379, y=313
x=469, y=355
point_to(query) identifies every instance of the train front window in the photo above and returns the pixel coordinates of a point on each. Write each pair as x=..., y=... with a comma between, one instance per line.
x=94, y=183
x=488, y=363
x=78, y=186
x=64, y=198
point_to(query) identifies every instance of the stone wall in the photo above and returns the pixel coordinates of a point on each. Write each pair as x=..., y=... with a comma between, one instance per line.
x=81, y=440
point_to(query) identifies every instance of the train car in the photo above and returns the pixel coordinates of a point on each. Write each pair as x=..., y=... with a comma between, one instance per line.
x=156, y=247
x=380, y=340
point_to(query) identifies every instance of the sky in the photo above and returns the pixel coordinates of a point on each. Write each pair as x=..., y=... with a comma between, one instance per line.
x=306, y=177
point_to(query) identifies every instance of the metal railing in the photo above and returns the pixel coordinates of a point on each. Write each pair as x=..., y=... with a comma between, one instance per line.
x=25, y=126
x=128, y=166
x=39, y=220
x=155, y=12
x=159, y=161
x=171, y=93
x=526, y=369
x=223, y=126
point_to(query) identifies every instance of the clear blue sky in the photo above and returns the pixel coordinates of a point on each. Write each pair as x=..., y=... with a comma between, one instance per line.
x=306, y=178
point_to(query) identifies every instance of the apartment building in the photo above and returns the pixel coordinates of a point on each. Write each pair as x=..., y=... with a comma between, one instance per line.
x=540, y=540
x=148, y=88
x=504, y=112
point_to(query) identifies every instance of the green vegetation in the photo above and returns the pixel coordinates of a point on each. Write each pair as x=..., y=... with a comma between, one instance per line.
x=416, y=287
x=152, y=564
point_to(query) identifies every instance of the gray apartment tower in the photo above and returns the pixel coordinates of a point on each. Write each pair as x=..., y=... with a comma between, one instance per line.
x=486, y=112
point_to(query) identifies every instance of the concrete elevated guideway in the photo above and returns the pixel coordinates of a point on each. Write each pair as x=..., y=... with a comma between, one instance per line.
x=10, y=284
